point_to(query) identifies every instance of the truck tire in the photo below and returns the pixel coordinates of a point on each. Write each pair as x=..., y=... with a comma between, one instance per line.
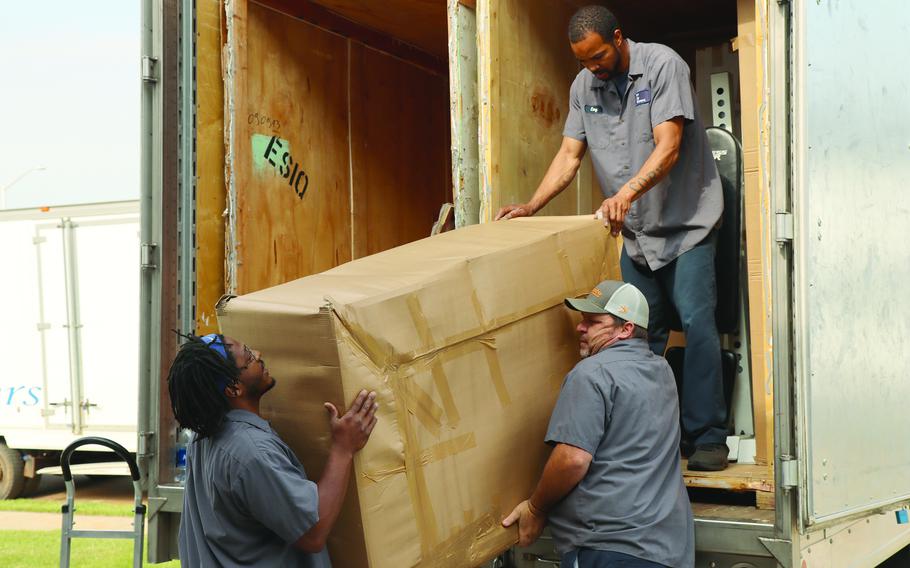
x=12, y=477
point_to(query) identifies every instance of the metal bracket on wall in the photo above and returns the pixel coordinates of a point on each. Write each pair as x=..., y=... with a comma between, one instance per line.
x=147, y=258
x=155, y=504
x=780, y=549
x=783, y=227
x=149, y=69
x=789, y=472
x=144, y=443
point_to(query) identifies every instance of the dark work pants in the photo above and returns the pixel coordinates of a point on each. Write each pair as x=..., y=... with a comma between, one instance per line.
x=587, y=558
x=687, y=288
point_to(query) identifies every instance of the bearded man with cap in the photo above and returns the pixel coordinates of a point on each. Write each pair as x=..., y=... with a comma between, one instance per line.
x=247, y=499
x=612, y=490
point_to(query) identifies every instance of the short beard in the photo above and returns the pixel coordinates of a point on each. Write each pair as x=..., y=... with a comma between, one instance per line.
x=595, y=345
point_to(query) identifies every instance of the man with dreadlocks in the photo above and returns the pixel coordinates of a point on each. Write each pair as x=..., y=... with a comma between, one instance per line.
x=247, y=500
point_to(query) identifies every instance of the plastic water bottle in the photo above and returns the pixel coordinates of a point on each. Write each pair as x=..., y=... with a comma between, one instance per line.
x=183, y=439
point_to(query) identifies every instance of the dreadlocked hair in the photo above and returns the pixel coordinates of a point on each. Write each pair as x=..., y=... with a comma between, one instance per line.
x=196, y=384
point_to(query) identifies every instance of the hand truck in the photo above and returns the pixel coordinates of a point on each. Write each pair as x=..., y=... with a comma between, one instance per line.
x=68, y=533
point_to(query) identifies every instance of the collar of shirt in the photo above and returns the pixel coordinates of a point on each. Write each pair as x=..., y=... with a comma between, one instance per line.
x=635, y=67
x=237, y=415
x=622, y=349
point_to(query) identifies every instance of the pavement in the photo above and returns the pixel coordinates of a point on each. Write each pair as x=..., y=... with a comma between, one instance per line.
x=113, y=490
x=18, y=521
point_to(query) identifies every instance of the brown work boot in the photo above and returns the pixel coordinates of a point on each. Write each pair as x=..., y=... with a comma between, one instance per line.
x=709, y=457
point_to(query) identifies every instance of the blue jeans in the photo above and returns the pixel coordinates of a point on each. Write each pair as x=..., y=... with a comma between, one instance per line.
x=685, y=291
x=587, y=558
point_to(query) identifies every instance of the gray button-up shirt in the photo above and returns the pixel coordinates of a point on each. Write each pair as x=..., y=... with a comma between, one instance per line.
x=680, y=211
x=246, y=499
x=620, y=406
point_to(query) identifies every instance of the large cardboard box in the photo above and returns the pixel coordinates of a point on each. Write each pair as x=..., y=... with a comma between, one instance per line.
x=466, y=340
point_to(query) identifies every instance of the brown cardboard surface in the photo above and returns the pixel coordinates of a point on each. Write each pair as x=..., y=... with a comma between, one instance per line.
x=465, y=338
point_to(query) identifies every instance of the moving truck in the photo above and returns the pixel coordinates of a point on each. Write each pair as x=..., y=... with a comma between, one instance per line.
x=69, y=326
x=281, y=139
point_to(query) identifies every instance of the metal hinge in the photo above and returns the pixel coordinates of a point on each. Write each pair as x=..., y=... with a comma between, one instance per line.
x=149, y=69
x=789, y=472
x=143, y=443
x=784, y=227
x=147, y=259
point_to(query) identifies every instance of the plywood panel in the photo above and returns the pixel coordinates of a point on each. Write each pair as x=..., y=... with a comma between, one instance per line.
x=289, y=138
x=210, y=189
x=749, y=43
x=526, y=69
x=421, y=23
x=400, y=150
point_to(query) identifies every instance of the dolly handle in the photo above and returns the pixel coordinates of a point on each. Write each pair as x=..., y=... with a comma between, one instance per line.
x=119, y=450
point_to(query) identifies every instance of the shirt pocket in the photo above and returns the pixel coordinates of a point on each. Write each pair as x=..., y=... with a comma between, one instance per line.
x=644, y=133
x=596, y=130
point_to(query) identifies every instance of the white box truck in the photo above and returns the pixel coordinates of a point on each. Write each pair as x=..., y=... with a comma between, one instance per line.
x=69, y=326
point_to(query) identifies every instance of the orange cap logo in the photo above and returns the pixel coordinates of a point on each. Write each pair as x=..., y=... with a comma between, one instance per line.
x=596, y=293
x=623, y=309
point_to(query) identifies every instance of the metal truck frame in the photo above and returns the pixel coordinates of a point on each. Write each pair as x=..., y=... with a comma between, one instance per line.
x=841, y=468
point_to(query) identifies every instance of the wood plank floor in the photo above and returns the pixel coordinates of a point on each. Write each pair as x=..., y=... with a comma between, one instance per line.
x=737, y=477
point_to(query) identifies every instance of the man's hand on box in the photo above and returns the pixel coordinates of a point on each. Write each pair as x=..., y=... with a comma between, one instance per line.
x=351, y=431
x=513, y=211
x=613, y=212
x=531, y=522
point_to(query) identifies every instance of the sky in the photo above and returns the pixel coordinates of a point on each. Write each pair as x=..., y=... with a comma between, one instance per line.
x=69, y=101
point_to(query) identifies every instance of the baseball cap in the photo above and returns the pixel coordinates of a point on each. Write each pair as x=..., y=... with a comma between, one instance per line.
x=616, y=298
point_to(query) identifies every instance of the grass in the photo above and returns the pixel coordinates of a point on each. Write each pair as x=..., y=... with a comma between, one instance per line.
x=83, y=507
x=21, y=549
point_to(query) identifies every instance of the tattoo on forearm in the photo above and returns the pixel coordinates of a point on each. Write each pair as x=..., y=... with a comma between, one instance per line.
x=642, y=183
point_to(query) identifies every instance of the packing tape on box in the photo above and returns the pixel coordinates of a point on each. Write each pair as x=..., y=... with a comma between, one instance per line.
x=414, y=475
x=475, y=540
x=419, y=403
x=432, y=454
x=439, y=375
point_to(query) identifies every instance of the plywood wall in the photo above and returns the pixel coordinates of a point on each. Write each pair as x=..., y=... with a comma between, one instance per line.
x=210, y=197
x=750, y=44
x=399, y=150
x=526, y=69
x=335, y=150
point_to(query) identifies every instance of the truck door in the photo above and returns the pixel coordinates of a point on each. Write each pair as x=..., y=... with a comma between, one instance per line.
x=108, y=296
x=851, y=256
x=53, y=327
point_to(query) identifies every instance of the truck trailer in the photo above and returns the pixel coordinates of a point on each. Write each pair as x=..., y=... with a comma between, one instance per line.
x=388, y=110
x=70, y=334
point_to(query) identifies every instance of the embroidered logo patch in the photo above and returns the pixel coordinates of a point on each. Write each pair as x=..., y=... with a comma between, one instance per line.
x=642, y=97
x=594, y=109
x=596, y=293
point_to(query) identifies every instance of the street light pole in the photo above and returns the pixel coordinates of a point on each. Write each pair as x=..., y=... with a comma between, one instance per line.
x=20, y=177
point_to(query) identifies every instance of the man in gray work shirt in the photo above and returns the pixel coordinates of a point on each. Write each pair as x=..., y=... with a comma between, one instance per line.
x=612, y=489
x=247, y=500
x=633, y=106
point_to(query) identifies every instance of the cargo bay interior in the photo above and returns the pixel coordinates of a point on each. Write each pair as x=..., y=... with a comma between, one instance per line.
x=422, y=102
x=344, y=105
x=524, y=72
